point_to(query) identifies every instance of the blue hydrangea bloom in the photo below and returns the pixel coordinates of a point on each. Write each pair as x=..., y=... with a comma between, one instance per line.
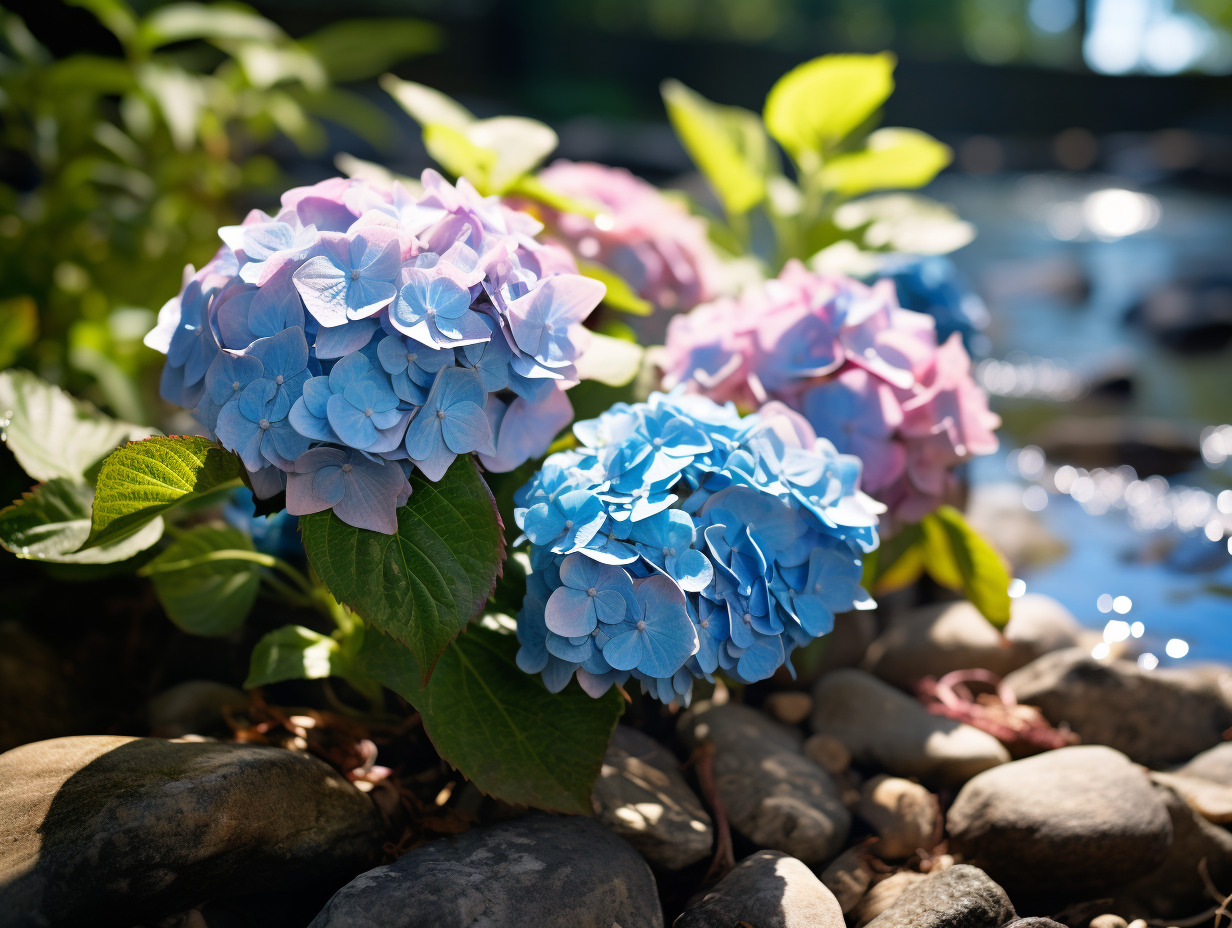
x=363, y=332
x=679, y=540
x=932, y=284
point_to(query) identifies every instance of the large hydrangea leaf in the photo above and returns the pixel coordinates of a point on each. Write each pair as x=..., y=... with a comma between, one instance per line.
x=425, y=582
x=142, y=480
x=52, y=434
x=50, y=522
x=203, y=580
x=499, y=726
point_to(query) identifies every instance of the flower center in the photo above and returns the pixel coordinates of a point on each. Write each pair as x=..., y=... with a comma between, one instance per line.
x=264, y=423
x=346, y=468
x=549, y=327
x=235, y=385
x=641, y=625
x=658, y=442
x=354, y=273
x=748, y=619
x=410, y=358
x=278, y=380
x=595, y=633
x=669, y=551
x=440, y=414
x=705, y=623
x=368, y=412
x=592, y=592
x=568, y=523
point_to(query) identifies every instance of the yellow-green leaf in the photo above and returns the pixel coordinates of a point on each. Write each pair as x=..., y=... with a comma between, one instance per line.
x=957, y=556
x=891, y=159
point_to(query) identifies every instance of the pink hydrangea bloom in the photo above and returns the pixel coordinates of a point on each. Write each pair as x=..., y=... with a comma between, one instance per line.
x=867, y=374
x=649, y=240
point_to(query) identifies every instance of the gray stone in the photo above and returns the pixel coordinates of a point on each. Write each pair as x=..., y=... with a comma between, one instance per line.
x=880, y=725
x=1214, y=764
x=769, y=890
x=1176, y=888
x=1080, y=817
x=1034, y=922
x=848, y=876
x=1039, y=625
x=1155, y=718
x=542, y=871
x=195, y=707
x=885, y=893
x=1211, y=800
x=791, y=707
x=642, y=796
x=108, y=830
x=958, y=897
x=774, y=795
x=904, y=814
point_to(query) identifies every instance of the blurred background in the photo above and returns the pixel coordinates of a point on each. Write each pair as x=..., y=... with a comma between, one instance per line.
x=1093, y=152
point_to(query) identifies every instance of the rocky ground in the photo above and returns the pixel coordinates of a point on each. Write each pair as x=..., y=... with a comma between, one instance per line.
x=934, y=772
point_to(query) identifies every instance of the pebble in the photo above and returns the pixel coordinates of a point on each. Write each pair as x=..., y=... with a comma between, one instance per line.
x=142, y=828
x=1081, y=817
x=1108, y=920
x=542, y=871
x=1176, y=887
x=790, y=707
x=881, y=725
x=904, y=815
x=959, y=897
x=774, y=795
x=1155, y=718
x=1214, y=764
x=884, y=894
x=1034, y=922
x=768, y=890
x=195, y=707
x=1213, y=801
x=827, y=752
x=641, y=795
x=848, y=876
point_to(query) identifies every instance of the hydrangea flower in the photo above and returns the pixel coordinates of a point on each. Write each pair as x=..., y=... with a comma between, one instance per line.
x=867, y=374
x=648, y=239
x=363, y=332
x=932, y=284
x=753, y=542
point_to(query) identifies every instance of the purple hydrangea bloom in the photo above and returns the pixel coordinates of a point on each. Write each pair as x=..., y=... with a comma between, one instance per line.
x=680, y=539
x=378, y=329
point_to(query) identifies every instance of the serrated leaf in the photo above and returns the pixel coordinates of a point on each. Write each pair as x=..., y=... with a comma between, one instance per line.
x=425, y=105
x=499, y=726
x=957, y=556
x=891, y=159
x=294, y=653
x=816, y=105
x=726, y=143
x=50, y=522
x=359, y=48
x=202, y=590
x=142, y=480
x=424, y=583
x=52, y=434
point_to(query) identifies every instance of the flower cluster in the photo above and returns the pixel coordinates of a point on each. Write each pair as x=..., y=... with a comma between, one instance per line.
x=867, y=374
x=648, y=239
x=364, y=331
x=932, y=284
x=679, y=539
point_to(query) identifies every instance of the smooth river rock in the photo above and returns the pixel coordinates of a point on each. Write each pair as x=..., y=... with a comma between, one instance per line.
x=1077, y=818
x=881, y=725
x=1214, y=764
x=768, y=890
x=774, y=795
x=904, y=815
x=107, y=830
x=642, y=796
x=957, y=897
x=542, y=871
x=1155, y=717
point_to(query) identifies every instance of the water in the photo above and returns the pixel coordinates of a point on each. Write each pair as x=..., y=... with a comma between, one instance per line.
x=1060, y=277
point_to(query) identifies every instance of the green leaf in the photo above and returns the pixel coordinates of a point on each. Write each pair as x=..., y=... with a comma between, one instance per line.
x=52, y=434
x=905, y=222
x=816, y=105
x=50, y=522
x=18, y=327
x=892, y=158
x=203, y=581
x=294, y=653
x=180, y=22
x=144, y=479
x=181, y=95
x=726, y=143
x=426, y=106
x=493, y=154
x=499, y=726
x=619, y=294
x=533, y=188
x=423, y=584
x=355, y=49
x=956, y=556
x=612, y=361
x=897, y=563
